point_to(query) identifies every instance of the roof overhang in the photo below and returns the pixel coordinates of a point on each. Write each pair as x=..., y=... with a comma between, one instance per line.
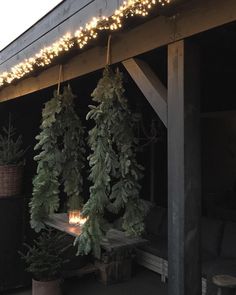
x=191, y=17
x=68, y=16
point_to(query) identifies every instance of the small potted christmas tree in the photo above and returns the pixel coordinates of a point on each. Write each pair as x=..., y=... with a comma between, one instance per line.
x=45, y=260
x=11, y=161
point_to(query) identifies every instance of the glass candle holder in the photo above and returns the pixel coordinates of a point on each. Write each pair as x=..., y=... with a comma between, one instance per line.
x=74, y=217
x=82, y=220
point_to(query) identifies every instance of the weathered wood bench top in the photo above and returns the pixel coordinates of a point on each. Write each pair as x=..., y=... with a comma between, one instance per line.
x=115, y=239
x=60, y=222
x=224, y=281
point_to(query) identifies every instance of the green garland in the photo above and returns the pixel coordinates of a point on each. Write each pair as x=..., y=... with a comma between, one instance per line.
x=115, y=173
x=60, y=160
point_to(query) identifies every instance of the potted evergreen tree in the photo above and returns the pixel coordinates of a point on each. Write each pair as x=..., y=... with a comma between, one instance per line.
x=44, y=260
x=11, y=161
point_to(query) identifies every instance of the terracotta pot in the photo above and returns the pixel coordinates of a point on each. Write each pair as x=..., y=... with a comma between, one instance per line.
x=46, y=288
x=10, y=180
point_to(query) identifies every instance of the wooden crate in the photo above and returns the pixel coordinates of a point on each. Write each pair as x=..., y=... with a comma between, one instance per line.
x=114, y=271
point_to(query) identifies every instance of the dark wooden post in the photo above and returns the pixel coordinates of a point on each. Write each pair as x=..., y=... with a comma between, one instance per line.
x=184, y=169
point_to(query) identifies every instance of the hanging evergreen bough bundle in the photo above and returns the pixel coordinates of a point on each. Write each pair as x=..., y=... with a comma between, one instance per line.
x=60, y=160
x=114, y=173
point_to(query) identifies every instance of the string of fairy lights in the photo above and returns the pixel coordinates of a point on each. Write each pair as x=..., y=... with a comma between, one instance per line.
x=81, y=37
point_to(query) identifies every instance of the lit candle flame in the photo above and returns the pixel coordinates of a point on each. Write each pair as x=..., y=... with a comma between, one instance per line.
x=75, y=218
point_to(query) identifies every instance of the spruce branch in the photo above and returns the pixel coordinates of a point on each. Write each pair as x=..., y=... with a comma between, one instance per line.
x=114, y=171
x=60, y=158
x=11, y=152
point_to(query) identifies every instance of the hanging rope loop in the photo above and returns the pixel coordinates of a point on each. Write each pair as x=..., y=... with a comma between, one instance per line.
x=59, y=80
x=108, y=62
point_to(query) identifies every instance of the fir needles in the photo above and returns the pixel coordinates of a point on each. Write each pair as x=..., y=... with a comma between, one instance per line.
x=60, y=159
x=114, y=171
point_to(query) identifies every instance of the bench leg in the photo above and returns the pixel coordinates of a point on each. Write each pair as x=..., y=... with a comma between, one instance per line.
x=163, y=278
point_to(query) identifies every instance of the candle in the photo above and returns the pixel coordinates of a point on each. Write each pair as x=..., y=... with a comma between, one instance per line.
x=74, y=217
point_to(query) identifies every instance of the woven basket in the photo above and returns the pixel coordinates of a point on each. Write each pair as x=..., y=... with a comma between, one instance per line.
x=10, y=180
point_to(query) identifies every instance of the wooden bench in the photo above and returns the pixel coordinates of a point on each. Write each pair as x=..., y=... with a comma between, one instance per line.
x=226, y=284
x=114, y=268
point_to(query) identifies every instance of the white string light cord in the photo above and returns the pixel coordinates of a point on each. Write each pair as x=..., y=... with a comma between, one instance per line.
x=81, y=37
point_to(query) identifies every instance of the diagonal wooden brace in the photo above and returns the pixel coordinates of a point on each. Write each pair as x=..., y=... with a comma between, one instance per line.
x=150, y=85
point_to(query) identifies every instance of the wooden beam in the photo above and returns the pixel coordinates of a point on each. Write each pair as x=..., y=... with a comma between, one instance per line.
x=150, y=85
x=193, y=18
x=184, y=173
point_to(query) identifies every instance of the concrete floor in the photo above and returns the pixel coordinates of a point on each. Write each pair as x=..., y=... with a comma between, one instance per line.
x=144, y=282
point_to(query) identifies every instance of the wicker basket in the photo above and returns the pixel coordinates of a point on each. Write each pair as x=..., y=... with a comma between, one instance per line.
x=10, y=180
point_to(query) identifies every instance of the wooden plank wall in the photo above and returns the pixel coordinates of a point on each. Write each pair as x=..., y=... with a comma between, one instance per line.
x=67, y=17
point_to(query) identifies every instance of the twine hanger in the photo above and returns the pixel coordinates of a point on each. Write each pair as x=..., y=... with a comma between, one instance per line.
x=59, y=80
x=108, y=61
